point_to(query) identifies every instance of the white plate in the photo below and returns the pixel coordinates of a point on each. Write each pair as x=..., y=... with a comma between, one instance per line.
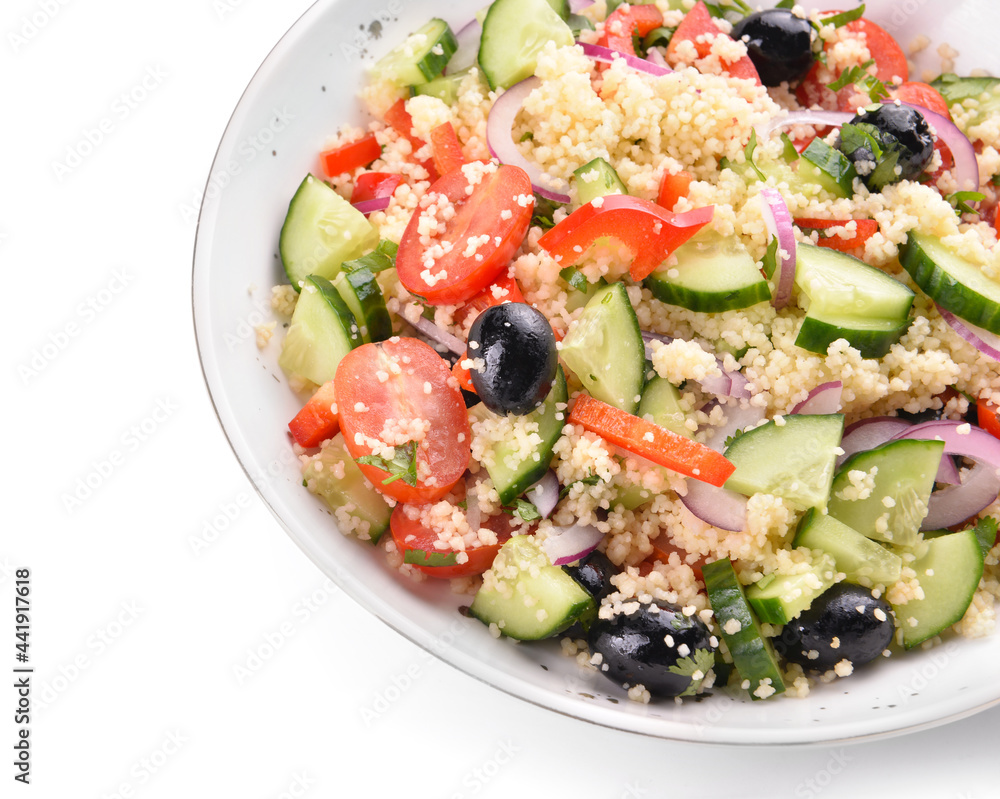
x=304, y=90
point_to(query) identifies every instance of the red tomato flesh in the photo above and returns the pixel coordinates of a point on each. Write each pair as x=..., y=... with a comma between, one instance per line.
x=866, y=228
x=396, y=383
x=673, y=187
x=700, y=29
x=627, y=21
x=496, y=211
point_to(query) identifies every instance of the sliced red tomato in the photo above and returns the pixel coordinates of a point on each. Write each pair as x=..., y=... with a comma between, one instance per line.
x=922, y=94
x=350, y=156
x=649, y=231
x=661, y=552
x=866, y=228
x=474, y=244
x=398, y=384
x=446, y=149
x=374, y=186
x=400, y=120
x=317, y=421
x=627, y=21
x=986, y=413
x=651, y=441
x=411, y=536
x=700, y=29
x=503, y=289
x=673, y=187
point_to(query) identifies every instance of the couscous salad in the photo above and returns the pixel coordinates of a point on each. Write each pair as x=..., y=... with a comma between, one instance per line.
x=667, y=330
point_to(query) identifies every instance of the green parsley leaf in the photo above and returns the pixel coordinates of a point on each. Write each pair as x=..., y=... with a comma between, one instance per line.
x=838, y=20
x=788, y=151
x=732, y=438
x=526, y=510
x=995, y=180
x=785, y=4
x=748, y=154
x=771, y=258
x=527, y=136
x=589, y=480
x=986, y=533
x=960, y=201
x=419, y=557
x=403, y=465
x=701, y=660
x=576, y=279
x=860, y=77
x=831, y=161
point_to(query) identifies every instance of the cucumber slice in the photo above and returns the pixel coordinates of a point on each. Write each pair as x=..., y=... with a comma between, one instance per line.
x=378, y=260
x=661, y=405
x=859, y=558
x=351, y=494
x=902, y=478
x=445, y=88
x=779, y=598
x=795, y=460
x=597, y=178
x=422, y=57
x=321, y=333
x=841, y=286
x=604, y=348
x=954, y=283
x=511, y=481
x=561, y=7
x=361, y=292
x=712, y=274
x=526, y=596
x=321, y=231
x=752, y=653
x=873, y=338
x=956, y=90
x=514, y=32
x=949, y=574
x=832, y=167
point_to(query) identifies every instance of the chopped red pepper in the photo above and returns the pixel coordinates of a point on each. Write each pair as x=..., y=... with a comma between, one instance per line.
x=462, y=374
x=673, y=187
x=317, y=421
x=649, y=231
x=374, y=186
x=401, y=121
x=650, y=441
x=866, y=228
x=503, y=289
x=627, y=21
x=986, y=414
x=350, y=156
x=446, y=149
x=700, y=29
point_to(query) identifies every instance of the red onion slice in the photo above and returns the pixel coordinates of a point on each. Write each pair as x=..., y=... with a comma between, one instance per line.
x=868, y=434
x=976, y=444
x=501, y=143
x=371, y=206
x=966, y=169
x=738, y=417
x=779, y=224
x=983, y=340
x=568, y=544
x=805, y=117
x=956, y=503
x=726, y=384
x=576, y=6
x=609, y=56
x=655, y=57
x=822, y=399
x=468, y=47
x=718, y=507
x=452, y=343
x=544, y=494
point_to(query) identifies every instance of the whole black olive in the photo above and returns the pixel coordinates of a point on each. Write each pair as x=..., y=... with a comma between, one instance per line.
x=779, y=44
x=593, y=573
x=846, y=622
x=514, y=350
x=656, y=646
x=904, y=137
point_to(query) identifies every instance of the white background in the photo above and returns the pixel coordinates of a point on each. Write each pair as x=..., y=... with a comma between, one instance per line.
x=138, y=635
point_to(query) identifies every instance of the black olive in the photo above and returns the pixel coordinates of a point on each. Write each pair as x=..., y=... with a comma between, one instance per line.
x=846, y=622
x=780, y=44
x=518, y=352
x=656, y=646
x=902, y=133
x=594, y=574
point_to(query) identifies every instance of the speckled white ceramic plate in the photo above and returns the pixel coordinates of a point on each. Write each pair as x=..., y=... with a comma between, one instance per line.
x=302, y=92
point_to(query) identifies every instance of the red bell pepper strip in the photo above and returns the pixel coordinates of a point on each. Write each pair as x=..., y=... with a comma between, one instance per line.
x=317, y=421
x=866, y=228
x=627, y=21
x=401, y=121
x=374, y=186
x=673, y=187
x=700, y=29
x=446, y=149
x=350, y=156
x=651, y=441
x=649, y=231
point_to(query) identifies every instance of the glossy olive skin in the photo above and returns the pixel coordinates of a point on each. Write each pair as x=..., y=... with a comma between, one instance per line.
x=860, y=636
x=594, y=573
x=902, y=128
x=636, y=649
x=780, y=44
x=518, y=348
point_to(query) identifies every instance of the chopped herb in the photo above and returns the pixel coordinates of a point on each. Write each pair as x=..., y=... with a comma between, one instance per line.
x=589, y=480
x=526, y=510
x=527, y=136
x=995, y=180
x=542, y=215
x=986, y=533
x=865, y=142
x=403, y=465
x=860, y=77
x=841, y=19
x=381, y=258
x=771, y=258
x=788, y=151
x=419, y=557
x=732, y=7
x=701, y=660
x=785, y=4
x=748, y=154
x=732, y=438
x=832, y=162
x=576, y=279
x=960, y=201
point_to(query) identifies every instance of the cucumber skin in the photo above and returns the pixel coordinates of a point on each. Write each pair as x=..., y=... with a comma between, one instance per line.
x=345, y=319
x=705, y=302
x=859, y=557
x=498, y=47
x=816, y=335
x=935, y=281
x=752, y=653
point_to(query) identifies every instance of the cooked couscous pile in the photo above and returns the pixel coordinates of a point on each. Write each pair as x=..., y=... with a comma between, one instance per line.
x=696, y=119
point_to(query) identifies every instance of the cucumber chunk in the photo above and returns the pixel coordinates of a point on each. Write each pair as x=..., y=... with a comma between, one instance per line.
x=660, y=404
x=795, y=460
x=361, y=292
x=985, y=92
x=604, y=348
x=752, y=653
x=712, y=274
x=526, y=596
x=949, y=574
x=954, y=283
x=597, y=178
x=350, y=494
x=513, y=479
x=514, y=32
x=860, y=559
x=322, y=331
x=445, y=88
x=891, y=502
x=779, y=598
x=422, y=57
x=872, y=338
x=321, y=231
